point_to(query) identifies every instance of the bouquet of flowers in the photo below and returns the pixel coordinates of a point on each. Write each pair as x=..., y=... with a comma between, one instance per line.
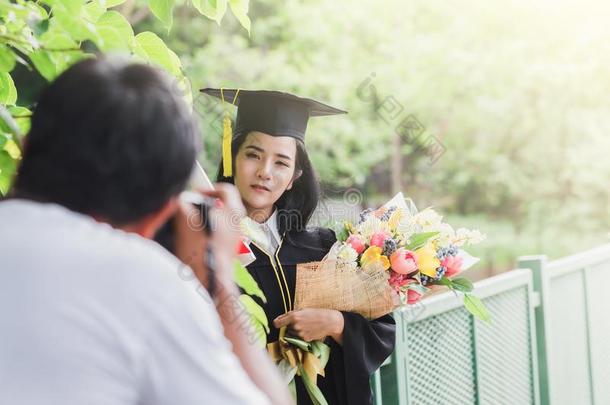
x=391, y=257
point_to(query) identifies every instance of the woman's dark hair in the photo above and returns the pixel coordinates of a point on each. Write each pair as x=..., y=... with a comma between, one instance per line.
x=108, y=138
x=297, y=205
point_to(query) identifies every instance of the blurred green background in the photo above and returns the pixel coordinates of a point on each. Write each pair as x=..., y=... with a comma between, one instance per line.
x=495, y=113
x=516, y=93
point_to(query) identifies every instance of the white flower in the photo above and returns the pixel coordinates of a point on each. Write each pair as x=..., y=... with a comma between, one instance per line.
x=347, y=254
x=428, y=218
x=465, y=236
x=446, y=234
x=371, y=225
x=406, y=228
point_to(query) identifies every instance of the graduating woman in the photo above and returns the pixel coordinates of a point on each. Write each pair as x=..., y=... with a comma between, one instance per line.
x=267, y=161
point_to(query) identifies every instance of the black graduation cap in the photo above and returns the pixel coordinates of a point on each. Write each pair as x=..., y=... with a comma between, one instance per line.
x=271, y=112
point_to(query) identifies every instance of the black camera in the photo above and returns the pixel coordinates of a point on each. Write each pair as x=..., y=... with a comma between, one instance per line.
x=166, y=234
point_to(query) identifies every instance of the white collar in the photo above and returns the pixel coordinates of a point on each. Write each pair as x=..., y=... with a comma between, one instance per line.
x=258, y=232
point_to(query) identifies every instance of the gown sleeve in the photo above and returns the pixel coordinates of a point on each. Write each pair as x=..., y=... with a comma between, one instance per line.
x=366, y=344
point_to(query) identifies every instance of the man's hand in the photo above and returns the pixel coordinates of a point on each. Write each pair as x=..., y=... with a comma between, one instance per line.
x=225, y=219
x=190, y=242
x=313, y=324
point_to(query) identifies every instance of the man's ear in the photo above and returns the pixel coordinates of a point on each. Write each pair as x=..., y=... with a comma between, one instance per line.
x=297, y=174
x=149, y=225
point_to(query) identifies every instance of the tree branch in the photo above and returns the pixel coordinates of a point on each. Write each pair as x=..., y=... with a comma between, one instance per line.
x=8, y=119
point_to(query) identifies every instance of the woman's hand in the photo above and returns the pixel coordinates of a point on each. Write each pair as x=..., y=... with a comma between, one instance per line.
x=313, y=324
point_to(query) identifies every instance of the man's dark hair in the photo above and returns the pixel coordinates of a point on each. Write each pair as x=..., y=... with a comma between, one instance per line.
x=110, y=139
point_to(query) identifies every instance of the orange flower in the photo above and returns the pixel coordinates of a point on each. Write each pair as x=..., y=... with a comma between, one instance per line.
x=373, y=256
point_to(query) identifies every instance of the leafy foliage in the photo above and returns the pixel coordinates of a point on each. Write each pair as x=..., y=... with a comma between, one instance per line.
x=519, y=106
x=48, y=36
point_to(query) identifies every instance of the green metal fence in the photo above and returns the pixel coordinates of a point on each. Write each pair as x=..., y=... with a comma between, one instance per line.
x=573, y=326
x=548, y=342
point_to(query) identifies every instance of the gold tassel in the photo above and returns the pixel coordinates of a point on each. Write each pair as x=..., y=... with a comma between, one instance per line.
x=227, y=133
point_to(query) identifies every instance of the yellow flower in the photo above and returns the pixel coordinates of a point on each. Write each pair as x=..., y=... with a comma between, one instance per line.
x=373, y=256
x=395, y=219
x=427, y=262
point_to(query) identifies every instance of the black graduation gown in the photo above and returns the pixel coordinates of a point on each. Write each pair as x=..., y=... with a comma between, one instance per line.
x=366, y=344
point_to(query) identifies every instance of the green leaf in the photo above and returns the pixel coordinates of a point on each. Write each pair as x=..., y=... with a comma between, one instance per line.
x=246, y=282
x=162, y=9
x=8, y=166
x=419, y=239
x=8, y=125
x=115, y=31
x=418, y=288
x=286, y=370
x=111, y=39
x=12, y=149
x=256, y=311
x=342, y=232
x=316, y=396
x=115, y=20
x=93, y=11
x=292, y=387
x=22, y=117
x=45, y=65
x=61, y=51
x=212, y=9
x=476, y=307
x=445, y=281
x=151, y=48
x=300, y=343
x=321, y=351
x=8, y=92
x=67, y=59
x=7, y=59
x=36, y=12
x=55, y=38
x=462, y=284
x=79, y=28
x=240, y=10
x=40, y=27
x=72, y=6
x=111, y=3
x=261, y=334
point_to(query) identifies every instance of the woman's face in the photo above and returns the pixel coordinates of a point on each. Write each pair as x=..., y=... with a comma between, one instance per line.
x=264, y=169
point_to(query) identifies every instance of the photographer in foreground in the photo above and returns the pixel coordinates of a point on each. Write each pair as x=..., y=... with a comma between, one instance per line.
x=91, y=310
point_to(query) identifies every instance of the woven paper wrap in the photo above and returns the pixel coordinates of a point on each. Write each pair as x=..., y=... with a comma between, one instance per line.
x=324, y=285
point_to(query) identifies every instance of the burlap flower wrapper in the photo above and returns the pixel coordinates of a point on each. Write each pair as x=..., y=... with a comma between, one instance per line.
x=324, y=284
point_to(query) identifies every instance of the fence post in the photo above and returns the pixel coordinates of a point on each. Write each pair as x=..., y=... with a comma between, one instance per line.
x=376, y=385
x=541, y=288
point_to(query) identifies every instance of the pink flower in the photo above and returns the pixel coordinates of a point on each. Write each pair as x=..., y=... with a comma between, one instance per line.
x=399, y=280
x=453, y=264
x=356, y=243
x=403, y=261
x=378, y=238
x=413, y=296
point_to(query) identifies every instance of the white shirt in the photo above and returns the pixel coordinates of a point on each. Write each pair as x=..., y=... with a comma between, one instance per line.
x=92, y=315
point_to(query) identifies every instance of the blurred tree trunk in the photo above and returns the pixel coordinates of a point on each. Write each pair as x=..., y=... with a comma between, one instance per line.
x=396, y=164
x=133, y=13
